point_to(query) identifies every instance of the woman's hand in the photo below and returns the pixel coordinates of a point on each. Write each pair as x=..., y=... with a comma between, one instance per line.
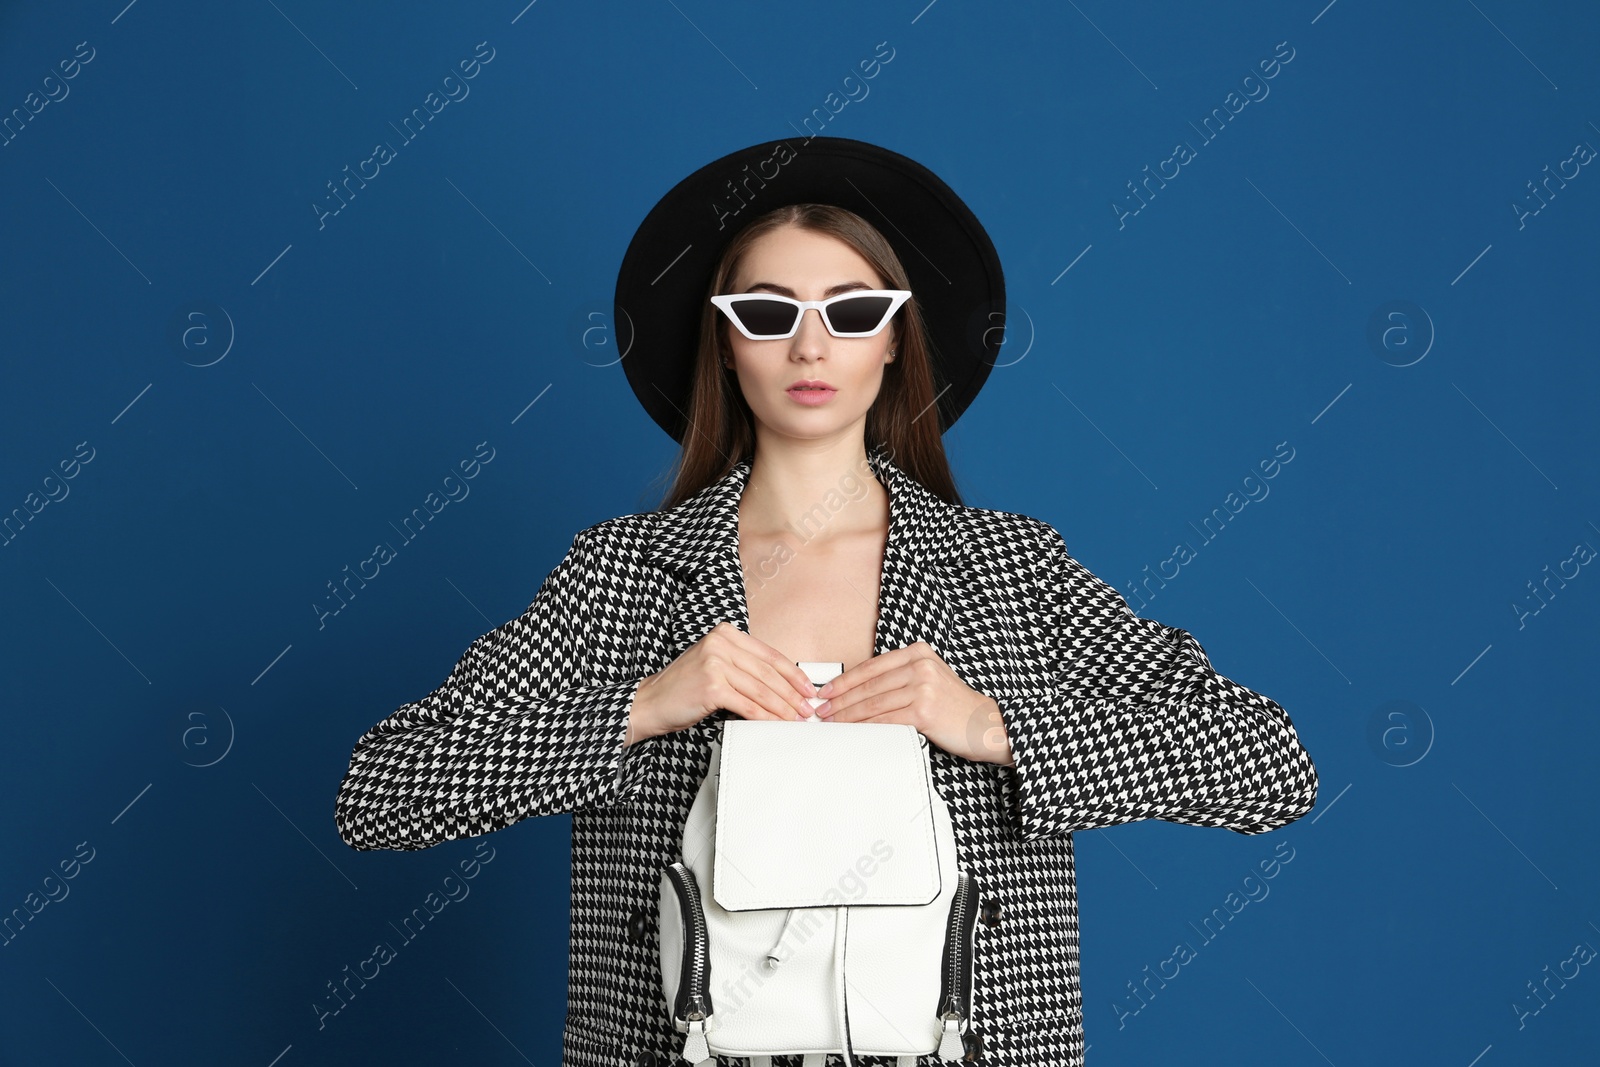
x=727, y=668
x=913, y=685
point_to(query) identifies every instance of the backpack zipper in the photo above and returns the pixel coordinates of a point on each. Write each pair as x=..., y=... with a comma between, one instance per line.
x=955, y=993
x=693, y=1004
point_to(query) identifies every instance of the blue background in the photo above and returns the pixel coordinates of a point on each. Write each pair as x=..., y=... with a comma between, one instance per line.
x=262, y=396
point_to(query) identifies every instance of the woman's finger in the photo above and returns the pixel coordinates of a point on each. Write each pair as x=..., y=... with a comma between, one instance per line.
x=758, y=680
x=786, y=668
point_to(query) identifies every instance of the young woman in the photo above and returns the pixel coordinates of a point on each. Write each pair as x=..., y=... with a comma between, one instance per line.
x=814, y=519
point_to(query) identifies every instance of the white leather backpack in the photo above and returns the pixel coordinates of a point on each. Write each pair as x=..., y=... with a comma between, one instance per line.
x=818, y=906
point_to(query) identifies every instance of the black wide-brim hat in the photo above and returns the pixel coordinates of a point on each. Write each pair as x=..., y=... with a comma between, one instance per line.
x=951, y=264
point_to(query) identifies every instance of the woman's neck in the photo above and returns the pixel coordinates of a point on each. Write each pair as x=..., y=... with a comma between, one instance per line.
x=824, y=493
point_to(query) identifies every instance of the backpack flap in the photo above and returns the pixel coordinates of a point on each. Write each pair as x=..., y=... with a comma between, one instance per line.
x=824, y=814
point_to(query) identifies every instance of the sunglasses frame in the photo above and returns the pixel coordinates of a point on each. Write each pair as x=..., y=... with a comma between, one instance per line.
x=726, y=302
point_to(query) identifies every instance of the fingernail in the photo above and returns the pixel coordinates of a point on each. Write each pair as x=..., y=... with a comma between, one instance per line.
x=824, y=708
x=826, y=690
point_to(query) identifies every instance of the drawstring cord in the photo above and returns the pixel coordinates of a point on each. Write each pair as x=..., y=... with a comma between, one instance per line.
x=780, y=952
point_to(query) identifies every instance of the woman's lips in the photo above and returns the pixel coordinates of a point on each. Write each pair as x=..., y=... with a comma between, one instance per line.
x=811, y=396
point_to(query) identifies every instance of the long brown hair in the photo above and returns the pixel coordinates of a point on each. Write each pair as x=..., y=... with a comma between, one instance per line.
x=721, y=432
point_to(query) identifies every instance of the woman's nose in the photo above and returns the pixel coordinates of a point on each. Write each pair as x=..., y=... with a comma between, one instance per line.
x=813, y=331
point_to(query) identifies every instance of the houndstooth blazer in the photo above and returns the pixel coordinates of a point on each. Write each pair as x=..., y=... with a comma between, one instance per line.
x=1111, y=718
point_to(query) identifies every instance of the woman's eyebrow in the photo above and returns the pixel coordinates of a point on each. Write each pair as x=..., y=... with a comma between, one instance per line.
x=786, y=291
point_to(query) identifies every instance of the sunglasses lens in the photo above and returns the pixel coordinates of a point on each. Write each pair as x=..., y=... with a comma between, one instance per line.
x=765, y=317
x=859, y=314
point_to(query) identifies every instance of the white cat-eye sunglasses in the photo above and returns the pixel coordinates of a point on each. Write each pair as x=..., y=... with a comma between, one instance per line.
x=770, y=317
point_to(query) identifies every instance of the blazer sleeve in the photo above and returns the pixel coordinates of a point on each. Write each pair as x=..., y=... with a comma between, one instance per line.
x=529, y=722
x=1136, y=724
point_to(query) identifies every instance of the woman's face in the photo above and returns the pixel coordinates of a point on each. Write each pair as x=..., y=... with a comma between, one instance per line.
x=807, y=265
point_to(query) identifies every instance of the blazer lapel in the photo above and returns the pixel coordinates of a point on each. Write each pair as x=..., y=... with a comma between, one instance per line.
x=914, y=596
x=698, y=541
